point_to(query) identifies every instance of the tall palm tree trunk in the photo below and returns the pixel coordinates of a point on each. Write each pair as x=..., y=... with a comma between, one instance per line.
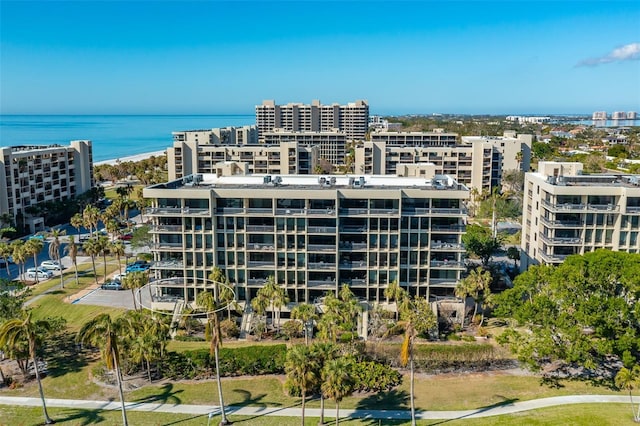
x=35, y=265
x=47, y=419
x=224, y=420
x=337, y=414
x=75, y=270
x=119, y=378
x=321, y=422
x=411, y=391
x=95, y=273
x=61, y=274
x=304, y=398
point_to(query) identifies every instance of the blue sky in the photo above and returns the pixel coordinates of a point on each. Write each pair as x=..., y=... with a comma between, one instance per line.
x=214, y=57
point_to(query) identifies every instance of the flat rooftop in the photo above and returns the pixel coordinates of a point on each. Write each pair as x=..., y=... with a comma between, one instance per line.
x=595, y=180
x=256, y=181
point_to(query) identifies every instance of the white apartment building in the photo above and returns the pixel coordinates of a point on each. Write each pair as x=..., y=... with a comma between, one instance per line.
x=566, y=212
x=39, y=173
x=312, y=233
x=352, y=118
x=332, y=146
x=190, y=157
x=244, y=135
x=477, y=161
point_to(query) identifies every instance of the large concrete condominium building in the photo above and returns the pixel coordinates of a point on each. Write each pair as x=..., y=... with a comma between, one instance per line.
x=477, y=161
x=40, y=173
x=311, y=233
x=190, y=157
x=352, y=118
x=332, y=146
x=244, y=135
x=566, y=212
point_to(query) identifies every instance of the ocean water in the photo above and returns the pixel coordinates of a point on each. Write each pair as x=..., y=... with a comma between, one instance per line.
x=113, y=136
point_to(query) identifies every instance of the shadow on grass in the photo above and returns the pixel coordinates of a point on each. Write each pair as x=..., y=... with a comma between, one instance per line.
x=177, y=422
x=63, y=356
x=256, y=401
x=390, y=400
x=85, y=417
x=166, y=395
x=504, y=402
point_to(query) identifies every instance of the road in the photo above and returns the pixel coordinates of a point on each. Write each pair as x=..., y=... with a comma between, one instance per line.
x=492, y=410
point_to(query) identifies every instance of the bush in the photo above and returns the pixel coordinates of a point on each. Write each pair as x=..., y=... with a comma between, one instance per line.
x=229, y=329
x=371, y=376
x=187, y=338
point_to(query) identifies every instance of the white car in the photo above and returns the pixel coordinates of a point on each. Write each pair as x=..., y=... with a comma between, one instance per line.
x=40, y=273
x=119, y=277
x=51, y=265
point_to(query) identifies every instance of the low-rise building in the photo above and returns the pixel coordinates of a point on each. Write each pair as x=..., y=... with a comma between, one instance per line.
x=566, y=212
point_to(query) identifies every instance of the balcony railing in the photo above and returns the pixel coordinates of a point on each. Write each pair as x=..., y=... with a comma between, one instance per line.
x=442, y=282
x=166, y=228
x=561, y=240
x=353, y=265
x=168, y=264
x=347, y=246
x=437, y=245
x=321, y=229
x=260, y=228
x=434, y=211
x=321, y=247
x=254, y=263
x=175, y=211
x=633, y=209
x=447, y=264
x=562, y=223
x=553, y=258
x=321, y=265
x=168, y=246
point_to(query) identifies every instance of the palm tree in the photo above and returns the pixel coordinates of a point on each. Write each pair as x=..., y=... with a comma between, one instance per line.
x=207, y=300
x=395, y=293
x=148, y=338
x=406, y=357
x=92, y=248
x=77, y=222
x=279, y=299
x=19, y=254
x=54, y=250
x=5, y=252
x=33, y=247
x=15, y=331
x=477, y=286
x=118, y=249
x=301, y=371
x=105, y=333
x=72, y=251
x=103, y=248
x=306, y=313
x=134, y=281
x=321, y=353
x=337, y=381
x=91, y=217
x=628, y=379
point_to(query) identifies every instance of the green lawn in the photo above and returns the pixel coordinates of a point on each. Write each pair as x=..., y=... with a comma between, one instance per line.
x=570, y=415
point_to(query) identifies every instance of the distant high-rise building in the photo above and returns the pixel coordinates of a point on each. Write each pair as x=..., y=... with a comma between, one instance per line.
x=619, y=115
x=632, y=115
x=39, y=173
x=599, y=115
x=352, y=118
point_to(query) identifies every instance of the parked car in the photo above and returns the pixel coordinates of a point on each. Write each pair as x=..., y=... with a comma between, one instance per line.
x=51, y=265
x=125, y=237
x=137, y=268
x=119, y=277
x=111, y=285
x=36, y=237
x=39, y=272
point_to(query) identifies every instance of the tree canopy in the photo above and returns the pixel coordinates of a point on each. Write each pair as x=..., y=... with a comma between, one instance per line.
x=580, y=312
x=479, y=242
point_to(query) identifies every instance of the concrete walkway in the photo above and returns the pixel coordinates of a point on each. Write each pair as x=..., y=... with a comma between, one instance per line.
x=492, y=410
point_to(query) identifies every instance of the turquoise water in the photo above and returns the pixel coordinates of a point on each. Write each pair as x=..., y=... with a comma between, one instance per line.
x=113, y=136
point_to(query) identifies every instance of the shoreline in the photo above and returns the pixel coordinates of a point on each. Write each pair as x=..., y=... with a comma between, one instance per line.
x=133, y=158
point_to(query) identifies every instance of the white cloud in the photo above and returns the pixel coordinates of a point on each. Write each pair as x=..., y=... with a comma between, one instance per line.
x=628, y=52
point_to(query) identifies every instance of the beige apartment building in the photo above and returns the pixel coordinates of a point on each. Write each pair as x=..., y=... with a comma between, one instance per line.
x=332, y=146
x=351, y=119
x=244, y=135
x=312, y=233
x=566, y=212
x=477, y=161
x=39, y=173
x=190, y=157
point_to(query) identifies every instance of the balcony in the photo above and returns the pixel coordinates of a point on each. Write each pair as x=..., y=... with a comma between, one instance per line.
x=321, y=229
x=230, y=210
x=156, y=229
x=168, y=264
x=633, y=210
x=564, y=207
x=434, y=212
x=562, y=223
x=442, y=282
x=260, y=246
x=438, y=245
x=176, y=211
x=349, y=246
x=451, y=228
x=561, y=240
x=553, y=258
x=321, y=247
x=259, y=263
x=322, y=284
x=353, y=265
x=321, y=265
x=168, y=246
x=260, y=228
x=447, y=264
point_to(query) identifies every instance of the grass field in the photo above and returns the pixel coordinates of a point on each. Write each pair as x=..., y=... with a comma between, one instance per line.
x=570, y=415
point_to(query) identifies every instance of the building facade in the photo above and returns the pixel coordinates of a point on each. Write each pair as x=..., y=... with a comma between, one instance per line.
x=312, y=233
x=477, y=161
x=37, y=174
x=567, y=213
x=351, y=119
x=332, y=146
x=245, y=135
x=190, y=157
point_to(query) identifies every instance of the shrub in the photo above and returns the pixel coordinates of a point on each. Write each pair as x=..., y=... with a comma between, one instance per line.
x=229, y=329
x=187, y=338
x=371, y=376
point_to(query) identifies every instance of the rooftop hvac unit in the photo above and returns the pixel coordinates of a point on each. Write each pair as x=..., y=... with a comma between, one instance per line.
x=266, y=179
x=277, y=180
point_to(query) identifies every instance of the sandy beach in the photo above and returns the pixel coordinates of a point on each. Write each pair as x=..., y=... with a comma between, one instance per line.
x=133, y=158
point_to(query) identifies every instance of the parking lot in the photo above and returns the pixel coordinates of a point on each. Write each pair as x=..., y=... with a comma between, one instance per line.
x=110, y=298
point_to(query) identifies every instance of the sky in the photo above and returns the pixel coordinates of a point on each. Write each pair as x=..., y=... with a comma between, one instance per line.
x=413, y=57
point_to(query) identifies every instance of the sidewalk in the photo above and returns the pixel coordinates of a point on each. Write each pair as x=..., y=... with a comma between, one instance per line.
x=492, y=410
